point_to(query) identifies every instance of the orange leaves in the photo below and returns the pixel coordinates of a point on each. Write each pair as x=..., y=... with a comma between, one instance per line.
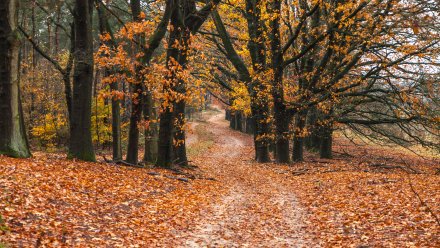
x=105, y=37
x=334, y=203
x=58, y=202
x=132, y=29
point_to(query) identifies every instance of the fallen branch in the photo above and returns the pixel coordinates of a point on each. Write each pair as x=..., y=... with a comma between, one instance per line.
x=344, y=153
x=299, y=172
x=125, y=163
x=121, y=162
x=183, y=179
x=331, y=171
x=385, y=166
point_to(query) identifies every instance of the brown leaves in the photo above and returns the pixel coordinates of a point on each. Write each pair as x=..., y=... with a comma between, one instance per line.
x=343, y=202
x=53, y=201
x=351, y=203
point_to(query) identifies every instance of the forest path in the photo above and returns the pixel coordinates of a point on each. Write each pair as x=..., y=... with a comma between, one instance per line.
x=259, y=209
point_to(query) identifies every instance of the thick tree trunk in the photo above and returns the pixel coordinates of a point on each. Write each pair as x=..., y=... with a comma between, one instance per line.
x=135, y=118
x=261, y=130
x=238, y=121
x=282, y=121
x=232, y=122
x=260, y=105
x=164, y=156
x=298, y=139
x=250, y=125
x=151, y=135
x=313, y=141
x=165, y=143
x=136, y=101
x=281, y=117
x=180, y=156
x=185, y=19
x=325, y=150
x=227, y=114
x=13, y=140
x=81, y=145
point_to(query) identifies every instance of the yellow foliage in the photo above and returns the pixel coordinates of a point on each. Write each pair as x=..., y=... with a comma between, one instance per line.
x=101, y=122
x=49, y=129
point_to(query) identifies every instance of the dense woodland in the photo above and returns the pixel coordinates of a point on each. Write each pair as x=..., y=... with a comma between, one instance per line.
x=119, y=81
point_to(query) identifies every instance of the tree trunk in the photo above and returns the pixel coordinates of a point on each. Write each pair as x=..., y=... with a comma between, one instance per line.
x=165, y=154
x=260, y=105
x=186, y=19
x=282, y=121
x=81, y=145
x=151, y=135
x=137, y=98
x=238, y=121
x=281, y=117
x=298, y=139
x=180, y=156
x=13, y=141
x=227, y=114
x=250, y=125
x=261, y=129
x=232, y=122
x=116, y=125
x=135, y=118
x=325, y=150
x=104, y=27
x=313, y=141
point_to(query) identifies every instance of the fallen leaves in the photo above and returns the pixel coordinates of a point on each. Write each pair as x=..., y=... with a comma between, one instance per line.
x=362, y=205
x=48, y=200
x=344, y=202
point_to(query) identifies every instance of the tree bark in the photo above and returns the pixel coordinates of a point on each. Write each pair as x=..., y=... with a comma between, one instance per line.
x=165, y=154
x=281, y=116
x=185, y=20
x=259, y=105
x=239, y=121
x=81, y=145
x=325, y=150
x=313, y=141
x=232, y=122
x=298, y=139
x=13, y=141
x=151, y=134
x=137, y=92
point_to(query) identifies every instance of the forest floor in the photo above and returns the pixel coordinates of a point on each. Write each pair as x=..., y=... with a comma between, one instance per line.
x=365, y=197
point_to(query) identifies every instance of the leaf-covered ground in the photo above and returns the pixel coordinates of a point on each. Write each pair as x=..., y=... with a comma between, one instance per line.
x=365, y=197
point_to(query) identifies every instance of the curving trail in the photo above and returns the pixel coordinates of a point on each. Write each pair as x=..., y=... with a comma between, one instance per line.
x=259, y=209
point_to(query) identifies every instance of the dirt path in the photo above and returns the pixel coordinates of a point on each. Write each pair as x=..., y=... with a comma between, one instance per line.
x=257, y=210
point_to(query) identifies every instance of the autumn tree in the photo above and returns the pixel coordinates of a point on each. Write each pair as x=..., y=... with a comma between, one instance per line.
x=105, y=29
x=81, y=146
x=320, y=55
x=186, y=19
x=13, y=141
